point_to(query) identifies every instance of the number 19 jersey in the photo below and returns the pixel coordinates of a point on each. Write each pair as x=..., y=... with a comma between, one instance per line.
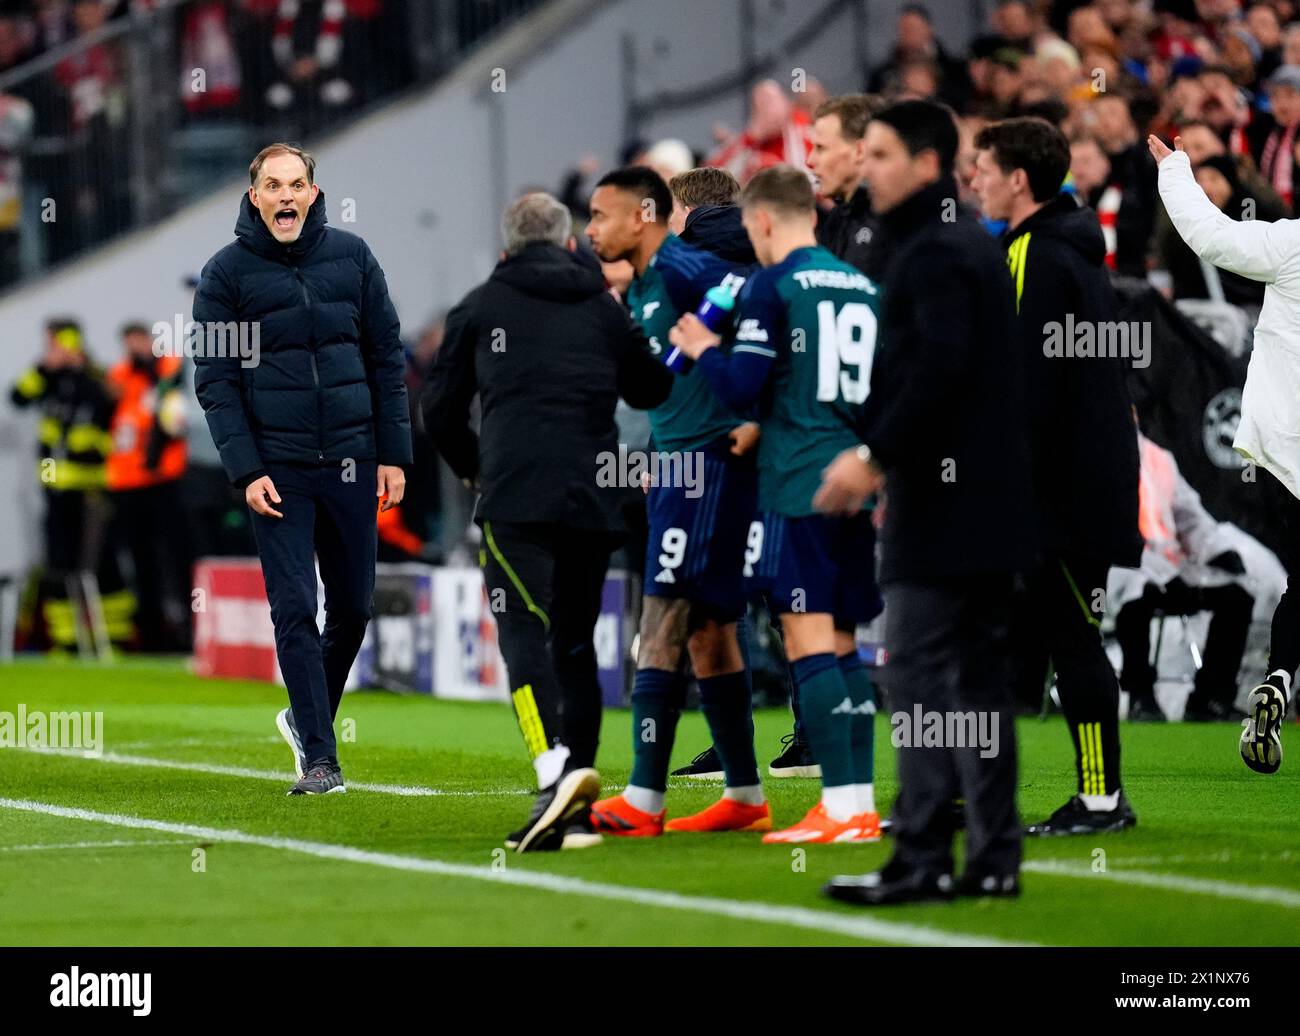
x=815, y=316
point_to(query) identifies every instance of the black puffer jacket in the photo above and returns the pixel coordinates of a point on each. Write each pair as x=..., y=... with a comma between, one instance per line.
x=718, y=229
x=328, y=385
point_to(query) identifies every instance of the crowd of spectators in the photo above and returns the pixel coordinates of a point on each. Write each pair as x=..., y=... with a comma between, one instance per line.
x=70, y=112
x=1223, y=74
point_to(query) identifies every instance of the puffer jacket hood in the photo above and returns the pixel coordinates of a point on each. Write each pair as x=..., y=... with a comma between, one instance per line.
x=253, y=232
x=718, y=229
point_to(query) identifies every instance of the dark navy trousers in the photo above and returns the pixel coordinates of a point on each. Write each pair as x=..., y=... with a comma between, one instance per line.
x=329, y=515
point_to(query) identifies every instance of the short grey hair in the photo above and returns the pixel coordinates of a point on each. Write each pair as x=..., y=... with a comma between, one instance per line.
x=536, y=217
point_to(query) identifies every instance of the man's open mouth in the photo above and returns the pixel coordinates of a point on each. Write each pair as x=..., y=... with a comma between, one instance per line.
x=285, y=219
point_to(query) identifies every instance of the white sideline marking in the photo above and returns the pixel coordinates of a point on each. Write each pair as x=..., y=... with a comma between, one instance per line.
x=260, y=775
x=63, y=846
x=796, y=917
x=201, y=742
x=1170, y=882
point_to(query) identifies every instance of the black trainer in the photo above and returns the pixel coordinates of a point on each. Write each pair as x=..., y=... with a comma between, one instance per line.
x=796, y=760
x=1261, y=731
x=550, y=842
x=554, y=807
x=578, y=834
x=289, y=731
x=320, y=779
x=704, y=767
x=1074, y=818
x=891, y=884
x=581, y=833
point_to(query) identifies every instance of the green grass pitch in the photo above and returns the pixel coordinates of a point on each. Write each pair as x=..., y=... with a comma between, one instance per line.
x=103, y=851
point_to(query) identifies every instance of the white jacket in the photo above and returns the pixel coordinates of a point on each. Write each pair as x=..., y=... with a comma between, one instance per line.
x=1269, y=432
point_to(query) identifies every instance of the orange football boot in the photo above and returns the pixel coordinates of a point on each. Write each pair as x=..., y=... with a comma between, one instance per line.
x=616, y=816
x=725, y=815
x=819, y=826
x=868, y=828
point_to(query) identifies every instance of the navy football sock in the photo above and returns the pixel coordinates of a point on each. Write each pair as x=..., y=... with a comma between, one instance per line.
x=657, y=700
x=726, y=704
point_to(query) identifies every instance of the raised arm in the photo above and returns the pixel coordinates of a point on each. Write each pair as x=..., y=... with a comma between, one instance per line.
x=1251, y=248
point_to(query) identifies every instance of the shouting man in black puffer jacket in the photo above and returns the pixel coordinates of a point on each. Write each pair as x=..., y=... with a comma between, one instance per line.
x=312, y=423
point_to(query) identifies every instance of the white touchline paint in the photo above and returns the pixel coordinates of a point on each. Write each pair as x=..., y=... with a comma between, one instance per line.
x=203, y=742
x=410, y=790
x=764, y=913
x=1168, y=882
x=64, y=846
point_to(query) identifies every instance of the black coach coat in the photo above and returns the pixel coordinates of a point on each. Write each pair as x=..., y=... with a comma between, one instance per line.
x=946, y=413
x=1082, y=437
x=329, y=384
x=549, y=351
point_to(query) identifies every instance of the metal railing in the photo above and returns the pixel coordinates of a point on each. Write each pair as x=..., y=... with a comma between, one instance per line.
x=129, y=119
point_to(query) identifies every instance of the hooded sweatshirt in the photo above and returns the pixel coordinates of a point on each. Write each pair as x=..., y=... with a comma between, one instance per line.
x=549, y=351
x=1084, y=454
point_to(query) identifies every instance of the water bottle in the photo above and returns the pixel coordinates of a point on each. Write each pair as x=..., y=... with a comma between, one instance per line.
x=714, y=312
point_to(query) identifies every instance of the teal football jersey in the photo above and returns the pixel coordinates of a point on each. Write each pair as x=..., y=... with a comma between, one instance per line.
x=815, y=317
x=674, y=283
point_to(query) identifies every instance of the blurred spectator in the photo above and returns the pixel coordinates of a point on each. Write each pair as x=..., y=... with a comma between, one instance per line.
x=308, y=42
x=1015, y=23
x=915, y=45
x=1090, y=173
x=777, y=132
x=1005, y=81
x=1133, y=172
x=575, y=190
x=95, y=189
x=412, y=530
x=14, y=41
x=16, y=121
x=210, y=77
x=72, y=445
x=1291, y=45
x=1277, y=153
x=1201, y=142
x=668, y=158
x=1263, y=23
x=149, y=456
x=51, y=24
x=813, y=95
x=1190, y=564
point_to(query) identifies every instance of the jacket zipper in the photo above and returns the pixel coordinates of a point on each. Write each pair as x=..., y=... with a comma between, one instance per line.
x=315, y=374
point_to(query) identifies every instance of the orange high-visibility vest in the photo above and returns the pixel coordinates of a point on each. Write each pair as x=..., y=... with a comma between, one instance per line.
x=133, y=425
